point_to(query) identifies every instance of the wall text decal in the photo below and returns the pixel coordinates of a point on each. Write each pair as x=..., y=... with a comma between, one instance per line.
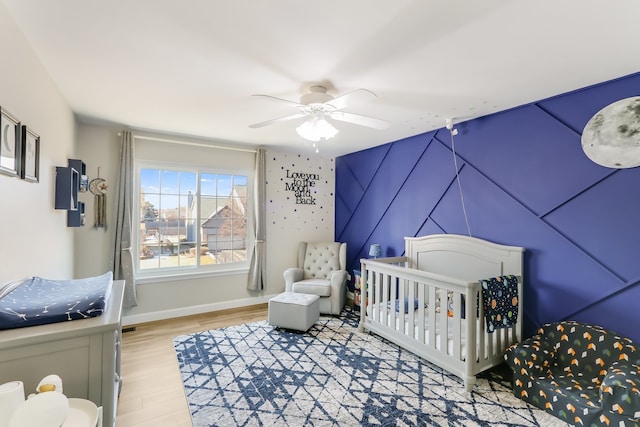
x=301, y=184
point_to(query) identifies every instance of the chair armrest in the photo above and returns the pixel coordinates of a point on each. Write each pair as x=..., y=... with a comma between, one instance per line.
x=620, y=390
x=292, y=275
x=338, y=280
x=530, y=358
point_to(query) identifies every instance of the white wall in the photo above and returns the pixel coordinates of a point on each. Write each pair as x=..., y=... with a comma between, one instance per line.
x=36, y=240
x=287, y=224
x=97, y=147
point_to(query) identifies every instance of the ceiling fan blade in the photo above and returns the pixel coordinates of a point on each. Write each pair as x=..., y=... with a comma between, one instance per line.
x=359, y=120
x=281, y=119
x=358, y=95
x=275, y=98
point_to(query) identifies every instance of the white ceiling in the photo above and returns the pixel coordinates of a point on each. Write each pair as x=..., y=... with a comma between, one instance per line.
x=190, y=67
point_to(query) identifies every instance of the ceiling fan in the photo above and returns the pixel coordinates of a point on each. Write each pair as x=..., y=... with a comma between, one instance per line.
x=318, y=105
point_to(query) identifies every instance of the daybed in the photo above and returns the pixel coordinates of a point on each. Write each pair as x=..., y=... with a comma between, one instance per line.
x=582, y=374
x=430, y=301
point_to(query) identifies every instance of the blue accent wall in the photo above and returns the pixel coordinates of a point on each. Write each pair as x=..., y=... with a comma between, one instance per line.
x=525, y=182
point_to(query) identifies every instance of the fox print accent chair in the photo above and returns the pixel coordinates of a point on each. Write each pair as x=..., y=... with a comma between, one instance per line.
x=582, y=374
x=322, y=271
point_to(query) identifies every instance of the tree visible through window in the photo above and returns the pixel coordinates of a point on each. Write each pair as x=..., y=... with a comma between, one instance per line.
x=191, y=218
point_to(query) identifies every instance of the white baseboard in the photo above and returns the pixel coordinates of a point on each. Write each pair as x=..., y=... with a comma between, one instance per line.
x=134, y=319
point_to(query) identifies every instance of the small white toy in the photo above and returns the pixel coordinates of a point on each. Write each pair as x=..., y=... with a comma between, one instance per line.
x=48, y=407
x=50, y=383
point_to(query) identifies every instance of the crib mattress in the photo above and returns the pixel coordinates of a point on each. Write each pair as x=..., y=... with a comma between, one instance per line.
x=38, y=301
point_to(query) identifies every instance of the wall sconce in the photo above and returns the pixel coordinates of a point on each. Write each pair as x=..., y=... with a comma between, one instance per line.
x=375, y=250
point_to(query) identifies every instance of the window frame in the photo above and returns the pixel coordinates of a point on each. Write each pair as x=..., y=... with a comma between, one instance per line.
x=163, y=274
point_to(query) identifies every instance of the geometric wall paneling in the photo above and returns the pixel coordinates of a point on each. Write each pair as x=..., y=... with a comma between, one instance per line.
x=520, y=157
x=576, y=108
x=353, y=175
x=432, y=174
x=526, y=182
x=448, y=213
x=429, y=227
x=598, y=222
x=341, y=210
x=346, y=183
x=562, y=279
x=620, y=310
x=486, y=205
x=495, y=215
x=381, y=191
x=360, y=162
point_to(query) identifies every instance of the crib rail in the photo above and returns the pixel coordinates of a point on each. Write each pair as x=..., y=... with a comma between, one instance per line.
x=440, y=318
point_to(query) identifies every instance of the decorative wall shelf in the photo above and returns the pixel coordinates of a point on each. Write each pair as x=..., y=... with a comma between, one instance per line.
x=75, y=218
x=69, y=181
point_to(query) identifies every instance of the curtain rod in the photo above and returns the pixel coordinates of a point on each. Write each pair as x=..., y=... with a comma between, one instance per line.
x=196, y=144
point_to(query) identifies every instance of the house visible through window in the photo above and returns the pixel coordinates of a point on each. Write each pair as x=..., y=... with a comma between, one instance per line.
x=191, y=220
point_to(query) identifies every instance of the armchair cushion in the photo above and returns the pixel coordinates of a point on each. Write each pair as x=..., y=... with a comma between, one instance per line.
x=580, y=373
x=320, y=287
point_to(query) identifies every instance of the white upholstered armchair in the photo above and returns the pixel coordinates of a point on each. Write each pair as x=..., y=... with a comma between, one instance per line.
x=321, y=271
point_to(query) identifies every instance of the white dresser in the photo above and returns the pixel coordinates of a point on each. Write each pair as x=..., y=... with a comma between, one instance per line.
x=84, y=353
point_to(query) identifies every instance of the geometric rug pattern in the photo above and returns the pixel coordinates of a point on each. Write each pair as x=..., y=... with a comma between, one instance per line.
x=333, y=375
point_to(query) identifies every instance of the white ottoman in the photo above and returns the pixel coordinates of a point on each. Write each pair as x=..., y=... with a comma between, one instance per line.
x=291, y=310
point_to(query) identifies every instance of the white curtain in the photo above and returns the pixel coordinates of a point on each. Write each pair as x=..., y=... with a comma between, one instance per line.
x=122, y=254
x=257, y=271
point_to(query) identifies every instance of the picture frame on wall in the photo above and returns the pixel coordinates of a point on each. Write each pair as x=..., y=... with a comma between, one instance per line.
x=30, y=163
x=10, y=146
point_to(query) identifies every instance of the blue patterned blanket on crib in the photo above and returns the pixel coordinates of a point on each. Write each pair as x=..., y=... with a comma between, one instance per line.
x=38, y=301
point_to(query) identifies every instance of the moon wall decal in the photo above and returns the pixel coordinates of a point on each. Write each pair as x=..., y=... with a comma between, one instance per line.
x=611, y=138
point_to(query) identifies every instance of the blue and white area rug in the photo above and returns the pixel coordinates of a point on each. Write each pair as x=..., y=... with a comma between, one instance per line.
x=332, y=375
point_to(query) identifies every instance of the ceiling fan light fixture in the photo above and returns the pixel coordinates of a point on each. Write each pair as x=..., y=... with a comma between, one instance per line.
x=316, y=128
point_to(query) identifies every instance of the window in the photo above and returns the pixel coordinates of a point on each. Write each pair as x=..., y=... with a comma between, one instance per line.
x=191, y=220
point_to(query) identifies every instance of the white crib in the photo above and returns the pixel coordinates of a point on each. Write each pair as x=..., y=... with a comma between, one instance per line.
x=430, y=301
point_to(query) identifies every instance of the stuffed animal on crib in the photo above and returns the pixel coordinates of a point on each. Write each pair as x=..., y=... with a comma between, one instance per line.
x=47, y=407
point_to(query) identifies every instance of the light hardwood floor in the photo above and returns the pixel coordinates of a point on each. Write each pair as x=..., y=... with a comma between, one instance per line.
x=152, y=393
